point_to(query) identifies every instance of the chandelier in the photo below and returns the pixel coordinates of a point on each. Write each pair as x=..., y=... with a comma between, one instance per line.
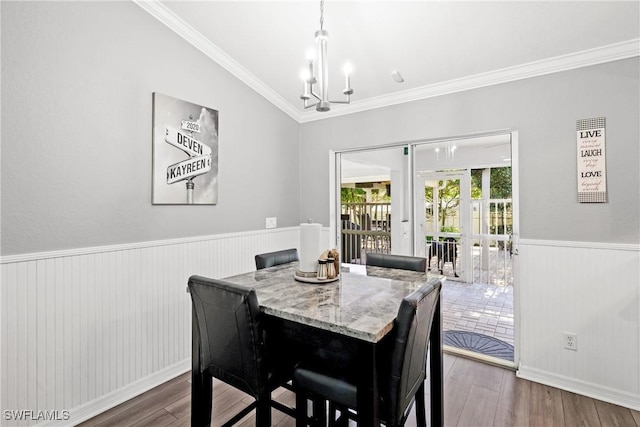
x=311, y=83
x=449, y=152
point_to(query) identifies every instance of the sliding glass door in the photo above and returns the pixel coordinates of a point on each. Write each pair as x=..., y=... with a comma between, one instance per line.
x=453, y=201
x=463, y=223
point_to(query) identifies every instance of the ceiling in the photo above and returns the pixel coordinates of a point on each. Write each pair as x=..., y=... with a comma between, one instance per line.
x=439, y=47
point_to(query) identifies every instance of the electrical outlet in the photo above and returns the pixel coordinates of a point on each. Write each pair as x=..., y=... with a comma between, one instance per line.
x=271, y=222
x=570, y=341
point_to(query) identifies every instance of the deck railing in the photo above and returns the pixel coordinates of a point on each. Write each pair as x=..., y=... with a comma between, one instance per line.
x=366, y=228
x=498, y=214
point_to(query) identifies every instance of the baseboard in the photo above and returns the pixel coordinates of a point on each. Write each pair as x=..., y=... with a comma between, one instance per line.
x=111, y=400
x=605, y=394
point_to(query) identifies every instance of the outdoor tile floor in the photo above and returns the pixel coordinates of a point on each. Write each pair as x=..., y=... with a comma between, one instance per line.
x=480, y=308
x=475, y=307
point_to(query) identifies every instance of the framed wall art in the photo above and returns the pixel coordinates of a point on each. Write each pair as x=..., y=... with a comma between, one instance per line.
x=592, y=167
x=185, y=152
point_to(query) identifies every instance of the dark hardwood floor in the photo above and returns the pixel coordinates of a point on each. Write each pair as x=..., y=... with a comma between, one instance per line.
x=476, y=394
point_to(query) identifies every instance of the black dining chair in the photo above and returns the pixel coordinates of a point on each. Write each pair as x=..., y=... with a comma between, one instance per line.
x=403, y=262
x=229, y=344
x=271, y=259
x=401, y=371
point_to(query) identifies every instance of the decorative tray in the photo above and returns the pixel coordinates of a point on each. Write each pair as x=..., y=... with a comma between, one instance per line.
x=311, y=278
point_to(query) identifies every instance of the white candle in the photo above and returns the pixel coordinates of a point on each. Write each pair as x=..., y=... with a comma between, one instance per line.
x=310, y=75
x=347, y=81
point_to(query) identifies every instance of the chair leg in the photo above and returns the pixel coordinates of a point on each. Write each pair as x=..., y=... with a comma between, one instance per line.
x=318, y=417
x=263, y=411
x=301, y=409
x=421, y=417
x=343, y=420
x=319, y=411
x=201, y=399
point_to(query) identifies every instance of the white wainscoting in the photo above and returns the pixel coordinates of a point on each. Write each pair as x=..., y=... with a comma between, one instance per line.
x=592, y=290
x=84, y=330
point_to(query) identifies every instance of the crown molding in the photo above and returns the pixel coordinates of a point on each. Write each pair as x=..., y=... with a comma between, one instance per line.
x=600, y=55
x=200, y=42
x=610, y=53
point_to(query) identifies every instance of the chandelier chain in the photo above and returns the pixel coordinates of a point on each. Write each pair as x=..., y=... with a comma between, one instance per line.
x=321, y=13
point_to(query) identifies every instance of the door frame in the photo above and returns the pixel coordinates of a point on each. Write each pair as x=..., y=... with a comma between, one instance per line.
x=334, y=198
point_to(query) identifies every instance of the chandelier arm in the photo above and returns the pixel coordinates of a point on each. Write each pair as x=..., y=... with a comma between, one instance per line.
x=348, y=101
x=307, y=106
x=315, y=95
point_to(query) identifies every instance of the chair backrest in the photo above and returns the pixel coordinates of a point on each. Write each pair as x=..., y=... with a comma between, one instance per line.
x=403, y=262
x=270, y=259
x=228, y=322
x=411, y=343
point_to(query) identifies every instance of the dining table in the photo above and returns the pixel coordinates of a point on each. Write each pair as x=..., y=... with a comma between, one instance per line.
x=348, y=317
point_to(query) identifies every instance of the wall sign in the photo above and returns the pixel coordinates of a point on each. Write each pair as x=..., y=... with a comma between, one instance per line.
x=185, y=152
x=592, y=171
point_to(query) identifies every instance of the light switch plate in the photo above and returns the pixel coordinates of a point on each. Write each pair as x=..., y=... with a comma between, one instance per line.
x=271, y=222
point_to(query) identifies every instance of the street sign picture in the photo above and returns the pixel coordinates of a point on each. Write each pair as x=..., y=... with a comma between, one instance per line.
x=188, y=169
x=185, y=142
x=185, y=152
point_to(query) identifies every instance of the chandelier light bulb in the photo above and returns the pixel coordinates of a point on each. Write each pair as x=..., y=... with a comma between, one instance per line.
x=347, y=84
x=311, y=55
x=304, y=75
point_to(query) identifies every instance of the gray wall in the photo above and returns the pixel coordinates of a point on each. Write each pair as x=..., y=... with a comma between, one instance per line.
x=544, y=111
x=77, y=84
x=77, y=80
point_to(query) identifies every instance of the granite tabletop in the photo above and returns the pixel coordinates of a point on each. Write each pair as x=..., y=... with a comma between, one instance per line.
x=362, y=304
